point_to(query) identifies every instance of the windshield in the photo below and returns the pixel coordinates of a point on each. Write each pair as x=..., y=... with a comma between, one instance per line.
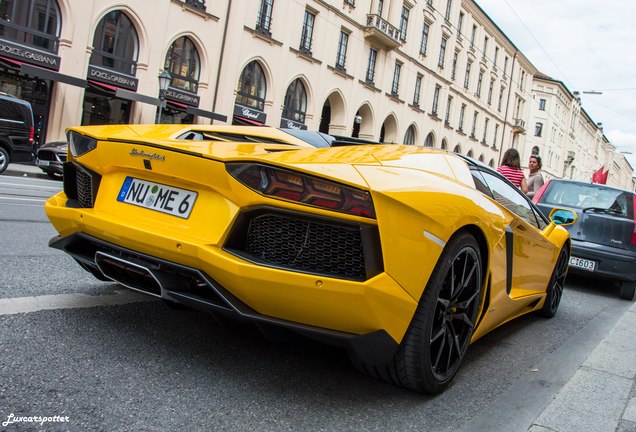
x=590, y=197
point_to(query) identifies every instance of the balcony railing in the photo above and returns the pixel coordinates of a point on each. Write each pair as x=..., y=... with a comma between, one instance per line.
x=380, y=31
x=519, y=126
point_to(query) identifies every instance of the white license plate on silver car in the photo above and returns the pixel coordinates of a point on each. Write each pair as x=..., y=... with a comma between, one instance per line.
x=159, y=197
x=582, y=263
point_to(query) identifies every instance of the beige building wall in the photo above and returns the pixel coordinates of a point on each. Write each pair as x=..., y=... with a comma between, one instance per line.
x=227, y=40
x=158, y=24
x=479, y=98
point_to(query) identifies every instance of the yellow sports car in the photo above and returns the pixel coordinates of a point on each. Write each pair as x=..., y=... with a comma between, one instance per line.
x=402, y=255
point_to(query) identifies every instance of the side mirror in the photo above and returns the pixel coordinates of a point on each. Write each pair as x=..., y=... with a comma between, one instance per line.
x=563, y=216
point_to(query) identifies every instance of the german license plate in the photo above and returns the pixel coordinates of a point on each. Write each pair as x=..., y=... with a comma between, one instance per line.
x=582, y=263
x=155, y=196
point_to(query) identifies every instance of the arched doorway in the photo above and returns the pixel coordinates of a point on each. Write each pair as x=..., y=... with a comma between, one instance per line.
x=112, y=65
x=30, y=33
x=409, y=136
x=388, y=133
x=184, y=65
x=249, y=107
x=332, y=118
x=325, y=118
x=295, y=106
x=429, y=141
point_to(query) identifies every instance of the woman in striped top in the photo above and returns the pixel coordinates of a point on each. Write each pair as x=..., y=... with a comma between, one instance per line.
x=511, y=169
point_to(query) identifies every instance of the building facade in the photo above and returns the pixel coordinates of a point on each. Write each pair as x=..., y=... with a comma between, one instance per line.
x=435, y=73
x=569, y=142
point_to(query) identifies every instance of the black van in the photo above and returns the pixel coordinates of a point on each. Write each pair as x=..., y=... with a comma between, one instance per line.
x=16, y=131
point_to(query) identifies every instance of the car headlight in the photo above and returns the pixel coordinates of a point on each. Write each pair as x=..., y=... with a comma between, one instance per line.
x=80, y=144
x=304, y=189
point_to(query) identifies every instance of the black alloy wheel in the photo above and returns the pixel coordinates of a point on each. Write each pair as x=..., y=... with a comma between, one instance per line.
x=440, y=332
x=554, y=291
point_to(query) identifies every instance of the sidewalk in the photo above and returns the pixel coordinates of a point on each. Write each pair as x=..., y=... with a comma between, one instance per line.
x=601, y=396
x=24, y=170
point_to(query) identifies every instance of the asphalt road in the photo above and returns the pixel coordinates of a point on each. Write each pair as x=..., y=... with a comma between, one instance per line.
x=135, y=364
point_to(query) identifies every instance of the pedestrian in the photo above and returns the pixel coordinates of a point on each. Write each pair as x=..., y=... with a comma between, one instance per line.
x=511, y=169
x=535, y=178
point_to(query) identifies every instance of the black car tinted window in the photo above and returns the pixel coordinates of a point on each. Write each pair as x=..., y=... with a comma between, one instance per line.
x=12, y=111
x=591, y=196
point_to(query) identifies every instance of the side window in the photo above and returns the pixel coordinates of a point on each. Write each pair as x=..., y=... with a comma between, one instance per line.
x=511, y=198
x=12, y=112
x=480, y=183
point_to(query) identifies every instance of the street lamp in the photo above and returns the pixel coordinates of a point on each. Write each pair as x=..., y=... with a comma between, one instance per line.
x=164, y=83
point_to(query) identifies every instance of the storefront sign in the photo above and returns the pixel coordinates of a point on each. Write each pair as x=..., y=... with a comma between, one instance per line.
x=177, y=95
x=291, y=124
x=249, y=113
x=112, y=77
x=29, y=55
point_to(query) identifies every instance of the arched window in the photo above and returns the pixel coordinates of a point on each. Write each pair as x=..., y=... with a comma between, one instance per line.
x=444, y=144
x=491, y=164
x=295, y=102
x=470, y=153
x=115, y=44
x=31, y=22
x=182, y=61
x=457, y=149
x=429, y=140
x=252, y=87
x=409, y=137
x=481, y=158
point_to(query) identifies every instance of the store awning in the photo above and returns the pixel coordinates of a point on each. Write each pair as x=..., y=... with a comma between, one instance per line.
x=208, y=114
x=29, y=69
x=177, y=104
x=103, y=85
x=246, y=121
x=126, y=94
x=39, y=72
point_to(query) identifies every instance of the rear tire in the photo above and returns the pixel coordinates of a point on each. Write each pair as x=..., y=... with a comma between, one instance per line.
x=627, y=290
x=554, y=291
x=439, y=334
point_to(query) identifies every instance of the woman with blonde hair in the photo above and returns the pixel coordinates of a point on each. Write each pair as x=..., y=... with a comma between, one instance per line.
x=511, y=169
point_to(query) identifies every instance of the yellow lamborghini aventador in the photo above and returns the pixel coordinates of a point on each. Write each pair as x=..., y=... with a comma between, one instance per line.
x=400, y=254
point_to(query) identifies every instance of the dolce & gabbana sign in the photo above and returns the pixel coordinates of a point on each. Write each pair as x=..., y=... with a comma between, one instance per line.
x=183, y=97
x=29, y=55
x=249, y=113
x=112, y=77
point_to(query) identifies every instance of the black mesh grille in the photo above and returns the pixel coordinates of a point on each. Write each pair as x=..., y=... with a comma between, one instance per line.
x=84, y=188
x=310, y=246
x=80, y=185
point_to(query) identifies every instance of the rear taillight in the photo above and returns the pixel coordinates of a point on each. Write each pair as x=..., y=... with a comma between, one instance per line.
x=31, y=135
x=292, y=186
x=634, y=229
x=538, y=194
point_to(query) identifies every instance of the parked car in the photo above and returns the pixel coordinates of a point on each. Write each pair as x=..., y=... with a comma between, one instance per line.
x=604, y=236
x=50, y=157
x=401, y=254
x=16, y=131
